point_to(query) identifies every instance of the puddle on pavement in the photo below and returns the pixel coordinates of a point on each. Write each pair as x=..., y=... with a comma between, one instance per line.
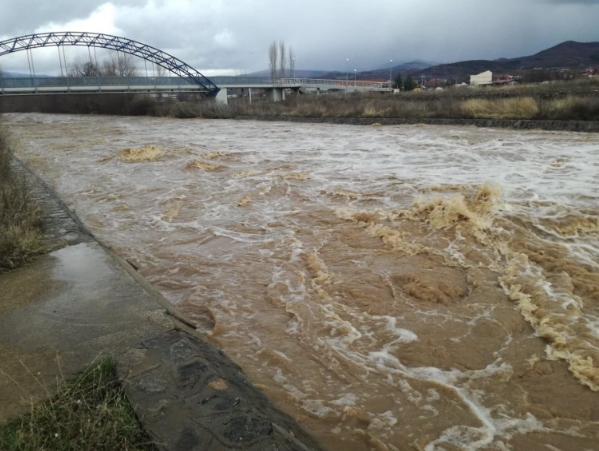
x=80, y=264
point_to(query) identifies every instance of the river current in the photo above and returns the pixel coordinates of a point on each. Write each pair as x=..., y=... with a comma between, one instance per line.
x=392, y=288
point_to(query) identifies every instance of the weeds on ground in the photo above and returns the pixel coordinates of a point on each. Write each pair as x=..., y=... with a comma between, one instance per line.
x=89, y=413
x=513, y=108
x=20, y=233
x=571, y=107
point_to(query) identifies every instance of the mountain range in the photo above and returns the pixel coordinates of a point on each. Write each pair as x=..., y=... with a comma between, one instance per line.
x=569, y=54
x=383, y=68
x=299, y=73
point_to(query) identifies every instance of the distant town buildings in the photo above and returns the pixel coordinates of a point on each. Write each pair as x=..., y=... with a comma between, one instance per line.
x=505, y=80
x=591, y=73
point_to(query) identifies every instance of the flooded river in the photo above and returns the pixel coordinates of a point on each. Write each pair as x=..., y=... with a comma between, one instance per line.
x=392, y=288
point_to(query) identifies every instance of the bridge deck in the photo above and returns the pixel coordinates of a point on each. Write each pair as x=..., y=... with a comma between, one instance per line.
x=58, y=85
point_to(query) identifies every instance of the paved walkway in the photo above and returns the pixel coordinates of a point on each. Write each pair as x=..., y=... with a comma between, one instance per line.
x=62, y=311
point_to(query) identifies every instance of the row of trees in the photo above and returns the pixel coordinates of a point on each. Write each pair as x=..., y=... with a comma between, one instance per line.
x=278, y=58
x=119, y=65
x=408, y=85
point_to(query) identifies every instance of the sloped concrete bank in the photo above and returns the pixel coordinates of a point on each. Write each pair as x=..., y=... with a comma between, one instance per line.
x=565, y=126
x=79, y=301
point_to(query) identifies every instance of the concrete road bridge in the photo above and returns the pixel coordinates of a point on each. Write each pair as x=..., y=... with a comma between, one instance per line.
x=275, y=90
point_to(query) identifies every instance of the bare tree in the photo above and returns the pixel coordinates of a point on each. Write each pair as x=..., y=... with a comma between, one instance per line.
x=160, y=71
x=273, y=56
x=292, y=61
x=283, y=59
x=83, y=68
x=119, y=66
x=110, y=68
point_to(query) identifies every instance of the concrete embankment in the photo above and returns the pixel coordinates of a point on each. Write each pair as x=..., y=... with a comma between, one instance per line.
x=79, y=301
x=565, y=126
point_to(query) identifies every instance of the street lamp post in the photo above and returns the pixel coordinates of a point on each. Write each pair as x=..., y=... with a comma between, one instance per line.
x=390, y=77
x=355, y=73
x=346, y=73
x=293, y=70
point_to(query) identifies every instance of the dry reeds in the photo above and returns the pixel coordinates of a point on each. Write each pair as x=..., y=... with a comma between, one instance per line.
x=512, y=108
x=573, y=108
x=20, y=233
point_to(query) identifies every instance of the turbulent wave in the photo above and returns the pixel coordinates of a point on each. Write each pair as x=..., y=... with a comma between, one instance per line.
x=141, y=154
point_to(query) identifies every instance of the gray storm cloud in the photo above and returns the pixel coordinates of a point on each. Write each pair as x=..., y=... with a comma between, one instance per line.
x=231, y=34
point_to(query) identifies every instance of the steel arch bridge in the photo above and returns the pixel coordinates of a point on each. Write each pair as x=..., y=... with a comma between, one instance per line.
x=106, y=41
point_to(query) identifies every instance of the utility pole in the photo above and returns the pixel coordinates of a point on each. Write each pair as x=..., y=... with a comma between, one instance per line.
x=390, y=77
x=346, y=73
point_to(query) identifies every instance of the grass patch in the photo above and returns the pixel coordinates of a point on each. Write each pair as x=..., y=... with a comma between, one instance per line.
x=89, y=413
x=20, y=232
x=512, y=108
x=573, y=107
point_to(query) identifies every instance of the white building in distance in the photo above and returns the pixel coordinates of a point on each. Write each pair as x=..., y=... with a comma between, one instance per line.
x=482, y=79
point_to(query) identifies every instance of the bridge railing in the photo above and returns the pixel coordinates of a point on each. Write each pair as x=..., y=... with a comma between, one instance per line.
x=52, y=82
x=241, y=80
x=309, y=82
x=257, y=82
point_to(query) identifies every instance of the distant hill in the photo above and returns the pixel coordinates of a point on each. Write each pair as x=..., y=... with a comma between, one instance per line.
x=20, y=75
x=381, y=72
x=567, y=54
x=299, y=73
x=406, y=65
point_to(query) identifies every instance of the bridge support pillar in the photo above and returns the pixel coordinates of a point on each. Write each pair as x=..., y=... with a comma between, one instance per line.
x=222, y=96
x=275, y=94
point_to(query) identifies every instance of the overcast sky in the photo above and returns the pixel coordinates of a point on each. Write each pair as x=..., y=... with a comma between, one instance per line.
x=233, y=35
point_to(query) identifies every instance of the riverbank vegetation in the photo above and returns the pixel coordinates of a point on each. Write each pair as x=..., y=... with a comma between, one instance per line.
x=89, y=413
x=559, y=101
x=20, y=227
x=374, y=105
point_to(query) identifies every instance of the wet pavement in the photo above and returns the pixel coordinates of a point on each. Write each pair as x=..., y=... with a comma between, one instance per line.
x=64, y=310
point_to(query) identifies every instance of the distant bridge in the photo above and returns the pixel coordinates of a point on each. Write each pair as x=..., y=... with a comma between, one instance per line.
x=187, y=78
x=275, y=89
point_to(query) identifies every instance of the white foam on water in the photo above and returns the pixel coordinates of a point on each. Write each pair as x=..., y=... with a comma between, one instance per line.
x=404, y=335
x=348, y=399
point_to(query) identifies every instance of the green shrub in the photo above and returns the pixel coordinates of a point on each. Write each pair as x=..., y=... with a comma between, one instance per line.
x=89, y=413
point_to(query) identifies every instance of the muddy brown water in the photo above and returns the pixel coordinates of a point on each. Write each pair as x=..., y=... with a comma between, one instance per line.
x=392, y=288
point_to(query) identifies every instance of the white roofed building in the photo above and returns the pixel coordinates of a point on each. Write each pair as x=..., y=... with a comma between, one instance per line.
x=482, y=79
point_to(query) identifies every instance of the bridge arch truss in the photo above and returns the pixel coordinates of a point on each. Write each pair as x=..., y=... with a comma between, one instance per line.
x=106, y=41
